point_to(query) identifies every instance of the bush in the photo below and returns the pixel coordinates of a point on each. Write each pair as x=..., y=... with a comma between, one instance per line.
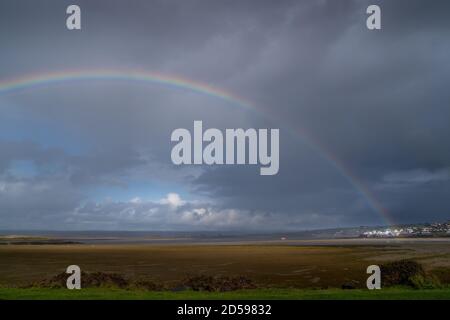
x=209, y=283
x=115, y=280
x=425, y=282
x=400, y=272
x=407, y=273
x=88, y=280
x=352, y=284
x=148, y=285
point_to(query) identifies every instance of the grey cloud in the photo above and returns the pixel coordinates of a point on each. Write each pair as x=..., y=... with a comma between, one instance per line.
x=377, y=101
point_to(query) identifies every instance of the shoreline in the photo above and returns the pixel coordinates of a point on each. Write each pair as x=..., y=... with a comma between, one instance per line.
x=33, y=240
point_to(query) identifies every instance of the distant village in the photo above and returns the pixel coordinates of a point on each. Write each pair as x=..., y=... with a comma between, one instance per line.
x=405, y=231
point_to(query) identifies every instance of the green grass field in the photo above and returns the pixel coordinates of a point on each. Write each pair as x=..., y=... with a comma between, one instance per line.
x=263, y=294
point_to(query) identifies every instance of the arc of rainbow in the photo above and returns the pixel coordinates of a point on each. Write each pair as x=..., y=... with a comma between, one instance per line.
x=46, y=79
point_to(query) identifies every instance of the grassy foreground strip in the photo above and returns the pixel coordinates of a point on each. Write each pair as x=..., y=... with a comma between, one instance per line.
x=118, y=294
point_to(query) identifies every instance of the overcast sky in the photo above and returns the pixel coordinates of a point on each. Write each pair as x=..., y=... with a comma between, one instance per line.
x=363, y=115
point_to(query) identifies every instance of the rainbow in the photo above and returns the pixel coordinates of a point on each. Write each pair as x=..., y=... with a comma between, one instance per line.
x=48, y=79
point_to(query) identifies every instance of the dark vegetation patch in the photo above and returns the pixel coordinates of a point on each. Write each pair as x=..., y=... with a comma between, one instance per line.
x=407, y=273
x=115, y=280
x=397, y=273
x=442, y=273
x=88, y=280
x=352, y=284
x=222, y=283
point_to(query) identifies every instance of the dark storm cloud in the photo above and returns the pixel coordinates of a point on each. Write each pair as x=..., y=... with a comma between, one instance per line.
x=375, y=100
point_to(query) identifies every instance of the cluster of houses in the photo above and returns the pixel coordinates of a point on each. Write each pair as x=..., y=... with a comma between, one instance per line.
x=427, y=230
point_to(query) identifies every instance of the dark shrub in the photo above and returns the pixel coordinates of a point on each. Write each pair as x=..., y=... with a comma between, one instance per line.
x=353, y=284
x=101, y=279
x=209, y=283
x=88, y=280
x=401, y=272
x=425, y=282
x=148, y=285
x=115, y=280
